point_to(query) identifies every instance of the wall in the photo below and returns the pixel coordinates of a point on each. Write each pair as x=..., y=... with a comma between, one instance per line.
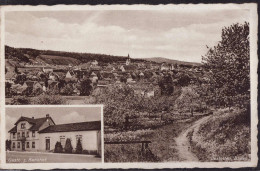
x=29, y=139
x=89, y=139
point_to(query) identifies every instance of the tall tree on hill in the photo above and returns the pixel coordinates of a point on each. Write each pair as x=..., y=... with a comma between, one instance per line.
x=166, y=85
x=85, y=87
x=16, y=70
x=228, y=67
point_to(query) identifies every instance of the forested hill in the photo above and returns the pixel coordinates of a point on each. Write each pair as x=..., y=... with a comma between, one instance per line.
x=26, y=55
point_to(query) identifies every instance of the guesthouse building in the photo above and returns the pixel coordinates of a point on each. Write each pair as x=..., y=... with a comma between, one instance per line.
x=41, y=134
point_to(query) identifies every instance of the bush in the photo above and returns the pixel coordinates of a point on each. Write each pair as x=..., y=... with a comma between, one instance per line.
x=68, y=147
x=8, y=145
x=20, y=100
x=58, y=147
x=79, y=147
x=67, y=90
x=48, y=99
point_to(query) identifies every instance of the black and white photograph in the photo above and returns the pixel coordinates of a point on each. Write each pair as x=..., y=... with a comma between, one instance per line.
x=178, y=84
x=53, y=135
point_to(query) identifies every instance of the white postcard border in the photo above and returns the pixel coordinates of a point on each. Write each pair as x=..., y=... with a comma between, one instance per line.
x=253, y=82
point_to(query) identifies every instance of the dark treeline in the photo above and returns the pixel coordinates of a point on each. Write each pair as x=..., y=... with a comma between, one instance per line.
x=24, y=54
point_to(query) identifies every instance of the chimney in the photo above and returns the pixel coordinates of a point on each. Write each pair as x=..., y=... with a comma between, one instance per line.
x=47, y=115
x=32, y=117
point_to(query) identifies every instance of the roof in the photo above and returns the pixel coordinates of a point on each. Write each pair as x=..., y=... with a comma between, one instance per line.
x=71, y=127
x=30, y=83
x=130, y=67
x=14, y=129
x=37, y=123
x=47, y=67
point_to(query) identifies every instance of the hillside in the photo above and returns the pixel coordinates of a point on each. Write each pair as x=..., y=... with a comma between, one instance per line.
x=228, y=139
x=170, y=61
x=57, y=60
x=27, y=55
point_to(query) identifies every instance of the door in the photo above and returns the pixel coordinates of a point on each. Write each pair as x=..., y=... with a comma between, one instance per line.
x=47, y=144
x=23, y=146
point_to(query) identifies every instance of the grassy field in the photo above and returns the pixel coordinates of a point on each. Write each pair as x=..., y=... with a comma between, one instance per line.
x=224, y=137
x=162, y=148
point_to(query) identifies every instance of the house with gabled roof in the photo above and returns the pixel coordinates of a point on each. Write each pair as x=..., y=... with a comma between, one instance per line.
x=41, y=134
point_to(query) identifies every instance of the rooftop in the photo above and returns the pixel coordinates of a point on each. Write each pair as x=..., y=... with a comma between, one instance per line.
x=71, y=127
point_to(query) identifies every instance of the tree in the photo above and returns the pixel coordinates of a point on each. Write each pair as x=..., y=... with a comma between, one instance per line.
x=68, y=147
x=7, y=88
x=85, y=87
x=61, y=84
x=8, y=145
x=20, y=100
x=20, y=79
x=67, y=89
x=121, y=101
x=123, y=79
x=166, y=85
x=79, y=147
x=183, y=79
x=189, y=99
x=58, y=147
x=16, y=70
x=227, y=66
x=48, y=99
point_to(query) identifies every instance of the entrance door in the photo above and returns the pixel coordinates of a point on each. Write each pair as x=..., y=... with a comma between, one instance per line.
x=47, y=144
x=23, y=146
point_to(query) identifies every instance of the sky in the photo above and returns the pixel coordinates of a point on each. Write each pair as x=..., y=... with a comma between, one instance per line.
x=174, y=34
x=60, y=115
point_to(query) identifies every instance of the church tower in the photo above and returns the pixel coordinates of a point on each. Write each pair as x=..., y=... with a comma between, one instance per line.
x=128, y=61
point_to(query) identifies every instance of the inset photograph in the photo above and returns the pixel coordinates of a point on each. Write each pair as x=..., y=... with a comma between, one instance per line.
x=53, y=134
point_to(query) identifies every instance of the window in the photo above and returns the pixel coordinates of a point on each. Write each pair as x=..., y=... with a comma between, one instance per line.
x=27, y=134
x=13, y=144
x=22, y=125
x=13, y=135
x=18, y=134
x=27, y=144
x=33, y=144
x=33, y=133
x=18, y=145
x=23, y=134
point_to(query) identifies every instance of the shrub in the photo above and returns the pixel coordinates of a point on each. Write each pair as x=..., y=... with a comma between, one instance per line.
x=68, y=147
x=67, y=90
x=79, y=147
x=8, y=145
x=48, y=99
x=58, y=147
x=20, y=100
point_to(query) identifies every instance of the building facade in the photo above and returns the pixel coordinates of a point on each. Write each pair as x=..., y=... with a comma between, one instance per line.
x=41, y=134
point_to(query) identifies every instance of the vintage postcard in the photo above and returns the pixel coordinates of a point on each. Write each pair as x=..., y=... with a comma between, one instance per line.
x=64, y=134
x=177, y=85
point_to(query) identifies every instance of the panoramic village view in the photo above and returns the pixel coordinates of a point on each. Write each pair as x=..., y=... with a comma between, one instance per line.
x=156, y=109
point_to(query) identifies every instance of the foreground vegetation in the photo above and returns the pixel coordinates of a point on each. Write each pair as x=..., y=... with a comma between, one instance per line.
x=224, y=137
x=162, y=148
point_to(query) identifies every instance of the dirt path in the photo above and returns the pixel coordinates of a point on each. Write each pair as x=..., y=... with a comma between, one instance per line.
x=182, y=142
